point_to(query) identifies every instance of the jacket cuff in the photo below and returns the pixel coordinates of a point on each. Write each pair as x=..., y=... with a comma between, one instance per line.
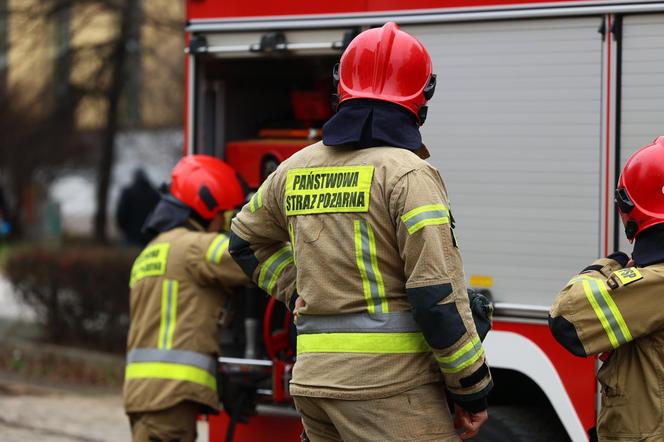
x=474, y=402
x=474, y=406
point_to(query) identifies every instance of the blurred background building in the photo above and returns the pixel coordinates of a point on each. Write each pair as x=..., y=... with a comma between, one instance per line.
x=89, y=91
x=91, y=98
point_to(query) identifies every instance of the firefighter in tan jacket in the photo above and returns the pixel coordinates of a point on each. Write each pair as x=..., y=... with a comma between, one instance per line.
x=614, y=308
x=385, y=328
x=178, y=286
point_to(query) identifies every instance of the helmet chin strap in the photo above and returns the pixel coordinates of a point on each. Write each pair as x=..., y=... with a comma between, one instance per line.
x=631, y=227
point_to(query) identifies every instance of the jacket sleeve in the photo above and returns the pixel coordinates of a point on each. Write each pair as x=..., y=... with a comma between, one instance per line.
x=606, y=306
x=209, y=262
x=260, y=243
x=435, y=285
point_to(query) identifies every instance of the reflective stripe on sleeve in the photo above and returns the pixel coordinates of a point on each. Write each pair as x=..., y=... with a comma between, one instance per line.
x=256, y=201
x=217, y=248
x=291, y=235
x=367, y=263
x=606, y=311
x=390, y=343
x=462, y=358
x=167, y=370
x=169, y=300
x=428, y=215
x=273, y=266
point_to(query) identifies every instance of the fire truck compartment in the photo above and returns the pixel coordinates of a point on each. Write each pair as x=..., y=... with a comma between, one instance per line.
x=240, y=91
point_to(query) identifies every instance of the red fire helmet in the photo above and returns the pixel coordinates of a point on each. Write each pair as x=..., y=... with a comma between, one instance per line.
x=387, y=64
x=640, y=192
x=206, y=184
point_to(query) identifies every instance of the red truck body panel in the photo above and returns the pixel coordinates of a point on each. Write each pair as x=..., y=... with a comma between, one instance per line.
x=215, y=9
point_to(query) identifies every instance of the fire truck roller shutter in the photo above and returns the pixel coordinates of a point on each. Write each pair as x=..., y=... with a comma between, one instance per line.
x=515, y=132
x=515, y=129
x=642, y=94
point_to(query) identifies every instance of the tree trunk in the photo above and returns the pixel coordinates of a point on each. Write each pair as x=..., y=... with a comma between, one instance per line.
x=127, y=38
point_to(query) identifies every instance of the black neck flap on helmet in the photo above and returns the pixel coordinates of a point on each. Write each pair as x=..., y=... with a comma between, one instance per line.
x=170, y=213
x=362, y=123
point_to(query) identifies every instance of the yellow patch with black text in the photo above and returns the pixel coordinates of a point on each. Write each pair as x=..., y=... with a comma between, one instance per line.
x=627, y=276
x=151, y=262
x=328, y=190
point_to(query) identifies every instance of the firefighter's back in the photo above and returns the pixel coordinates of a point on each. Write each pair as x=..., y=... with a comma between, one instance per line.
x=337, y=204
x=172, y=343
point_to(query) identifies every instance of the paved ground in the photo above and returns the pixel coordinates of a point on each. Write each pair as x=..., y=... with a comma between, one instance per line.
x=62, y=417
x=65, y=417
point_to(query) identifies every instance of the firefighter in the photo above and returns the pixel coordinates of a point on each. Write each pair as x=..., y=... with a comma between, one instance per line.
x=613, y=308
x=356, y=231
x=179, y=284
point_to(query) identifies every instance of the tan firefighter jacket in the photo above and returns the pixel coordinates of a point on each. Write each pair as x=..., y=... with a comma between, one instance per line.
x=377, y=266
x=178, y=286
x=608, y=308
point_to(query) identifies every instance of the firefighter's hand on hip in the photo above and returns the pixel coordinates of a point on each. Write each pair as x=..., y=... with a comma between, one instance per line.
x=299, y=303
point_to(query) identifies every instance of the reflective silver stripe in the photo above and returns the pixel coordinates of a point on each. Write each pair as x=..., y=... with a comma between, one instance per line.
x=610, y=317
x=184, y=357
x=357, y=323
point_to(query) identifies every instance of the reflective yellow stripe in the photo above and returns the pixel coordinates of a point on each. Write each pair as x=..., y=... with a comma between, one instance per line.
x=363, y=271
x=391, y=343
x=217, y=248
x=273, y=266
x=462, y=358
x=166, y=370
x=169, y=299
x=151, y=262
x=277, y=271
x=328, y=190
x=367, y=263
x=427, y=215
x=606, y=311
x=291, y=235
x=256, y=200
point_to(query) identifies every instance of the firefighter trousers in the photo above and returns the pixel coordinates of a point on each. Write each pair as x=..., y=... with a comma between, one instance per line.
x=174, y=424
x=417, y=415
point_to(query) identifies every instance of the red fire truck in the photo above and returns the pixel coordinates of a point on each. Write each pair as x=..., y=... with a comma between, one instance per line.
x=538, y=105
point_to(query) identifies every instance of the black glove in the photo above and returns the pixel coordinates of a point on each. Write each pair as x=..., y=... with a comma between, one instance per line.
x=237, y=395
x=482, y=310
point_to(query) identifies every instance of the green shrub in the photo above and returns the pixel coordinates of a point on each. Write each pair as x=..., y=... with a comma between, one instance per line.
x=80, y=294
